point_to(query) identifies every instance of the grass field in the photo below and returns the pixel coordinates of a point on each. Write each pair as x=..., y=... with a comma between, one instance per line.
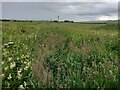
x=59, y=55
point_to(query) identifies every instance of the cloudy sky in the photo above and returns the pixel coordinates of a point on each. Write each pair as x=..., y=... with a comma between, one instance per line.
x=69, y=10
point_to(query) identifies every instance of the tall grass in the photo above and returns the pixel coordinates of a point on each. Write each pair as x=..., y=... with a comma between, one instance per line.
x=59, y=55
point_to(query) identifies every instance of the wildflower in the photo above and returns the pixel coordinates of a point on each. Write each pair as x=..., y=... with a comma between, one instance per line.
x=25, y=84
x=27, y=66
x=21, y=87
x=10, y=43
x=18, y=58
x=6, y=68
x=10, y=58
x=5, y=44
x=12, y=65
x=25, y=62
x=112, y=34
x=19, y=75
x=22, y=56
x=9, y=76
x=20, y=71
x=2, y=62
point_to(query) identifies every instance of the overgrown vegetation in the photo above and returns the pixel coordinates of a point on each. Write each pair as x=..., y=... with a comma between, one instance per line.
x=59, y=55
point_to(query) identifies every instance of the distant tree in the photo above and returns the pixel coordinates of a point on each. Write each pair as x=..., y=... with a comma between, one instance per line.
x=55, y=21
x=5, y=20
x=15, y=20
x=66, y=21
x=72, y=21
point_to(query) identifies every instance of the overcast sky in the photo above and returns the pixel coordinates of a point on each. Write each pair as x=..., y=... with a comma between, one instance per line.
x=59, y=0
x=76, y=11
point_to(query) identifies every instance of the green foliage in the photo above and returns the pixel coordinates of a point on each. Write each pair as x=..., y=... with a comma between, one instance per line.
x=59, y=55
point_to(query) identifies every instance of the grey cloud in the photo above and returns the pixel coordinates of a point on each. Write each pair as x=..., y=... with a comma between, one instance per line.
x=0, y=10
x=88, y=9
x=77, y=11
x=60, y=0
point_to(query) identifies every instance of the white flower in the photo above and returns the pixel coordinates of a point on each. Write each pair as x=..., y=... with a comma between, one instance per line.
x=25, y=62
x=18, y=58
x=20, y=71
x=9, y=76
x=112, y=34
x=25, y=83
x=29, y=64
x=19, y=75
x=26, y=67
x=22, y=56
x=6, y=68
x=10, y=43
x=10, y=58
x=2, y=62
x=5, y=44
x=12, y=65
x=21, y=87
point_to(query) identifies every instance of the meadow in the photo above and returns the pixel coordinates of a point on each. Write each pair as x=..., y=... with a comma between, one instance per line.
x=59, y=55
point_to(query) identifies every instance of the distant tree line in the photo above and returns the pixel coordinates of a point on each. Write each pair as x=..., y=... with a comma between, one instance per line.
x=15, y=20
x=4, y=20
x=67, y=21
